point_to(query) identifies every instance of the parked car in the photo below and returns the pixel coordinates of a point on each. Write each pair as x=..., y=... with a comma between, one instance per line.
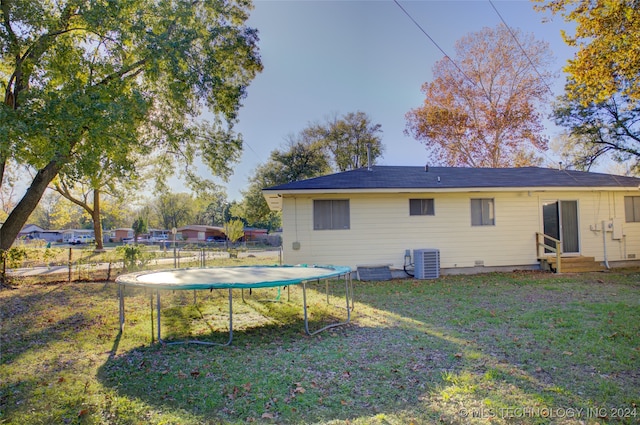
x=215, y=239
x=159, y=238
x=129, y=241
x=77, y=240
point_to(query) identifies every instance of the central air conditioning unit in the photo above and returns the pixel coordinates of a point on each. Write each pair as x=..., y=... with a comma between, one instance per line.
x=426, y=263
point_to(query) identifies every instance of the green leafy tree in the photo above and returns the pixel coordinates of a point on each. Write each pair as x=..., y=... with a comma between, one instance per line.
x=601, y=105
x=349, y=140
x=605, y=130
x=482, y=109
x=302, y=159
x=174, y=209
x=139, y=227
x=88, y=80
x=209, y=206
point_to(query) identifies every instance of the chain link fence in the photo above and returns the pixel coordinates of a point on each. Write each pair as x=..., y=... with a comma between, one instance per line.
x=25, y=264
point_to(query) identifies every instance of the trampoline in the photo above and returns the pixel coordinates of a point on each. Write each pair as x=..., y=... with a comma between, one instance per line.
x=239, y=277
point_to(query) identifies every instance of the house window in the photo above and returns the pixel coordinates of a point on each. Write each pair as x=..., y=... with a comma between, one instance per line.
x=421, y=207
x=331, y=214
x=482, y=212
x=632, y=209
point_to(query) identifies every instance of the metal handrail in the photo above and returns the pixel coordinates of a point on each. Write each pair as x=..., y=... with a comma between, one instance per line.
x=557, y=248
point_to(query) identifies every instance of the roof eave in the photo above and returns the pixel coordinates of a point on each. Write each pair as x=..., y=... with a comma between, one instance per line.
x=279, y=193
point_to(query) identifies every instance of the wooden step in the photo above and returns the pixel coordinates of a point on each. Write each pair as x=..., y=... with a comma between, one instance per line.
x=573, y=264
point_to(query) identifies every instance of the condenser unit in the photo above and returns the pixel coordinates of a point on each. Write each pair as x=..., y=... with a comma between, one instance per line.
x=426, y=263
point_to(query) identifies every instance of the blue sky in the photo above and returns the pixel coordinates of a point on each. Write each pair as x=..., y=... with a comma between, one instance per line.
x=323, y=58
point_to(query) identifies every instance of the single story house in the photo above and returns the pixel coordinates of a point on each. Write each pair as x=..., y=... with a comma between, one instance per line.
x=474, y=219
x=33, y=231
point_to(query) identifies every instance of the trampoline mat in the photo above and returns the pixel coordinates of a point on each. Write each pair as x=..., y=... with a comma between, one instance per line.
x=230, y=277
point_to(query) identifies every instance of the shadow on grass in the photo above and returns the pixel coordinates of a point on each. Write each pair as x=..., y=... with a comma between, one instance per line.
x=275, y=373
x=53, y=325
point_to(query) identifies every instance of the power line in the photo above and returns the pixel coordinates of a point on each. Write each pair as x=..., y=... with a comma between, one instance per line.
x=521, y=48
x=530, y=62
x=433, y=41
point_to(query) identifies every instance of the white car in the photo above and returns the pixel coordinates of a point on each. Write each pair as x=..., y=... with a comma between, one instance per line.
x=77, y=240
x=129, y=241
x=159, y=238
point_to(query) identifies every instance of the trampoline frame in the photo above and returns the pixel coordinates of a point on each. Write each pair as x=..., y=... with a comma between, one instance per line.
x=131, y=280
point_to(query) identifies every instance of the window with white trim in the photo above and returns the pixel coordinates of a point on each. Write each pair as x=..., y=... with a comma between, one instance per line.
x=632, y=209
x=331, y=214
x=421, y=207
x=482, y=212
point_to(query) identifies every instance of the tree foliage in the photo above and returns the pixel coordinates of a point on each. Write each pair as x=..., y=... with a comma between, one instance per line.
x=54, y=212
x=609, y=129
x=139, y=227
x=348, y=140
x=209, y=207
x=601, y=105
x=234, y=230
x=607, y=35
x=88, y=83
x=482, y=109
x=174, y=209
x=303, y=158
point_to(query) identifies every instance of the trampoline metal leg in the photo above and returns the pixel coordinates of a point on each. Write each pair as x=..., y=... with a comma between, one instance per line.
x=348, y=296
x=121, y=306
x=151, y=309
x=158, y=310
x=193, y=341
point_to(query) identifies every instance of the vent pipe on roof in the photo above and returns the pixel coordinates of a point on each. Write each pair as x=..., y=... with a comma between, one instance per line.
x=368, y=156
x=426, y=168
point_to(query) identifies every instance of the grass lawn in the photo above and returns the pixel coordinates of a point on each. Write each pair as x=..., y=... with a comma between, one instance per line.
x=512, y=348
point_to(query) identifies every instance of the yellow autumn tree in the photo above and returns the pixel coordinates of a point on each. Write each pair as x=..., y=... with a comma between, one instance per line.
x=601, y=105
x=607, y=35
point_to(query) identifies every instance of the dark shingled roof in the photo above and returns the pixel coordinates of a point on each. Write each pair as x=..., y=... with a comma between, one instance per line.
x=398, y=177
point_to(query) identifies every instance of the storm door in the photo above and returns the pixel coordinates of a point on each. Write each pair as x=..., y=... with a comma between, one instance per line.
x=561, y=222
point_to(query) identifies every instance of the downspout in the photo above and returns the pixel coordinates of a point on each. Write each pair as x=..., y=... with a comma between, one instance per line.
x=604, y=245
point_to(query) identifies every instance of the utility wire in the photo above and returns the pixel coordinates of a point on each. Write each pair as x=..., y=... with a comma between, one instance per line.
x=521, y=48
x=530, y=62
x=433, y=41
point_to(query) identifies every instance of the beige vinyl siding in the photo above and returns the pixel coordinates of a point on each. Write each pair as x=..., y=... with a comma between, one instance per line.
x=381, y=229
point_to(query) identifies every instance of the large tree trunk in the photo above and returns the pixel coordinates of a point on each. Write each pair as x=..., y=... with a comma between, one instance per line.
x=20, y=214
x=97, y=221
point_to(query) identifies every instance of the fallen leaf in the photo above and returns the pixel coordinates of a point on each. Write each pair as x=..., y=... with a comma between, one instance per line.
x=458, y=355
x=83, y=412
x=567, y=353
x=268, y=415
